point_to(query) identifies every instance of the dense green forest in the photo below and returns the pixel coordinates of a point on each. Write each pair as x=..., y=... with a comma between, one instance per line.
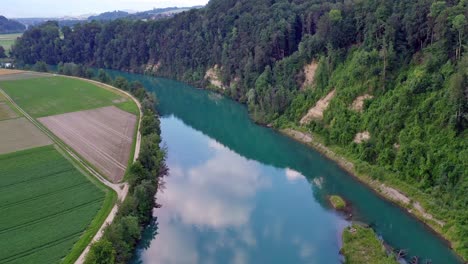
x=8, y=26
x=408, y=57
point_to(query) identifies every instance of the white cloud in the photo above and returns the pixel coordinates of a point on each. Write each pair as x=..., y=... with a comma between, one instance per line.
x=293, y=175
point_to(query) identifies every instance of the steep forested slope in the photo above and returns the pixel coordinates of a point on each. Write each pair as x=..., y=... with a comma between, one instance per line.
x=406, y=60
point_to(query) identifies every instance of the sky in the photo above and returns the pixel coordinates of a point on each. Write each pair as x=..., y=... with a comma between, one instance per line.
x=59, y=8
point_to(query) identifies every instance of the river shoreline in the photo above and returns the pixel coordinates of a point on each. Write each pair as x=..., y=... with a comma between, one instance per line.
x=373, y=184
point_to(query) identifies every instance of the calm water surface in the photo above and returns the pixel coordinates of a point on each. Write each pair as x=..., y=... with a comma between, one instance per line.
x=241, y=193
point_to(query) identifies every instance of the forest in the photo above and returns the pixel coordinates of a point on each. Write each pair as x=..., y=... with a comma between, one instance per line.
x=8, y=26
x=408, y=58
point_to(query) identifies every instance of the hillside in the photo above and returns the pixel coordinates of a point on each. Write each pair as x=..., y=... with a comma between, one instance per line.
x=109, y=16
x=385, y=81
x=10, y=26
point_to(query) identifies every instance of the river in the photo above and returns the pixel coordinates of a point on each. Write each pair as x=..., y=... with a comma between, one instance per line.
x=241, y=193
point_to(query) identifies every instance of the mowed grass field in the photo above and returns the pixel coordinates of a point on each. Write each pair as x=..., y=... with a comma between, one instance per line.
x=57, y=95
x=46, y=205
x=7, y=40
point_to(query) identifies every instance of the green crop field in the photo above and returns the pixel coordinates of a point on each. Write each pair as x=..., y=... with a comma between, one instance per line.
x=57, y=95
x=7, y=40
x=46, y=206
x=129, y=106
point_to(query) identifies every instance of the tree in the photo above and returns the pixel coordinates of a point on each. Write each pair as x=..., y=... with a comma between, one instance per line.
x=2, y=53
x=459, y=95
x=103, y=76
x=459, y=23
x=121, y=82
x=101, y=252
x=40, y=66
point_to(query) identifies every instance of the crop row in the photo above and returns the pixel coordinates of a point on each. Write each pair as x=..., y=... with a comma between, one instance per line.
x=35, y=187
x=45, y=205
x=37, y=235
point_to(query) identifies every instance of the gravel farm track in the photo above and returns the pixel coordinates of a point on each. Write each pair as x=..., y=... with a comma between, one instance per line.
x=120, y=188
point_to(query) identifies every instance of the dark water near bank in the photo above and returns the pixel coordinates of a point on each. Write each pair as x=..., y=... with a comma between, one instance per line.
x=242, y=193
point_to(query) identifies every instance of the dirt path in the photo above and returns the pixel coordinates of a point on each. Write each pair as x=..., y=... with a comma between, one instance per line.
x=120, y=189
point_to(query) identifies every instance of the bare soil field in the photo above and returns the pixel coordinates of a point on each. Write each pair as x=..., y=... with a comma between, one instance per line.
x=12, y=75
x=102, y=136
x=6, y=112
x=20, y=134
x=8, y=72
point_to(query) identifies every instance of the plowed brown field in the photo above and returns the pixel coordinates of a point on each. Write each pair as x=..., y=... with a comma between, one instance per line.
x=102, y=136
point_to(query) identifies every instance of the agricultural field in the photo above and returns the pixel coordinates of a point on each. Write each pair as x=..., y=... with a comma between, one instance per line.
x=103, y=136
x=19, y=134
x=6, y=112
x=11, y=75
x=52, y=208
x=57, y=95
x=46, y=205
x=7, y=40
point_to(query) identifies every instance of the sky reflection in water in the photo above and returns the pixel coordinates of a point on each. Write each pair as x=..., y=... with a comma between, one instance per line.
x=218, y=207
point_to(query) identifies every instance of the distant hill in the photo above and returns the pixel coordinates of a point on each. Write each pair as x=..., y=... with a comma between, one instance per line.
x=154, y=14
x=109, y=16
x=10, y=26
x=158, y=13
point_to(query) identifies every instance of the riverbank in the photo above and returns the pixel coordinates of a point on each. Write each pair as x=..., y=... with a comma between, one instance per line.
x=390, y=191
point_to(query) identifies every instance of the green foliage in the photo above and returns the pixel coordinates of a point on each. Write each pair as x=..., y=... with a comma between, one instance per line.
x=72, y=69
x=10, y=26
x=361, y=245
x=337, y=202
x=103, y=76
x=40, y=66
x=101, y=252
x=2, y=52
x=122, y=83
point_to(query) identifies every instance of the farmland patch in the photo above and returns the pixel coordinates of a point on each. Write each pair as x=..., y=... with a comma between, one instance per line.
x=19, y=134
x=46, y=204
x=6, y=112
x=102, y=136
x=57, y=95
x=7, y=40
x=12, y=75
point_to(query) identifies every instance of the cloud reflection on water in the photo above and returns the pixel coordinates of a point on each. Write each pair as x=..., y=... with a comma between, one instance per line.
x=214, y=196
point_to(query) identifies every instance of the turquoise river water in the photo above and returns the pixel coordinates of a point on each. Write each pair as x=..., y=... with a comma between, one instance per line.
x=241, y=193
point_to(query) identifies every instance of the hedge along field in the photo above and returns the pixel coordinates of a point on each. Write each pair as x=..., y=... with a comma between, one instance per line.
x=58, y=95
x=46, y=205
